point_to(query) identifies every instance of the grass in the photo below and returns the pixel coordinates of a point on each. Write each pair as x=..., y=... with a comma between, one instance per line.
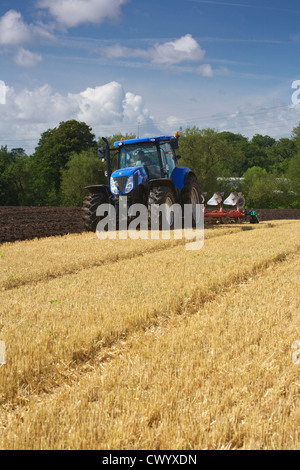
x=156, y=350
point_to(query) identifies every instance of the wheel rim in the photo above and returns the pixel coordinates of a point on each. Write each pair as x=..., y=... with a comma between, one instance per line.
x=195, y=200
x=194, y=197
x=169, y=213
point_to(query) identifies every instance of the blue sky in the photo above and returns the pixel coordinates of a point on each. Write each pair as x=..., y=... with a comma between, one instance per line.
x=148, y=66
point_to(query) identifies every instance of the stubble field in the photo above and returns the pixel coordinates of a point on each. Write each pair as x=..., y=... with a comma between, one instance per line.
x=124, y=344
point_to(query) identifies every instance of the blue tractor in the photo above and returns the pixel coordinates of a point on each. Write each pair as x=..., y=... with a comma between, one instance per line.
x=147, y=173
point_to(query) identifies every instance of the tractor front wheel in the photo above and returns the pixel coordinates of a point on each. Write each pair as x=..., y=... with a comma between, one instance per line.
x=90, y=206
x=158, y=196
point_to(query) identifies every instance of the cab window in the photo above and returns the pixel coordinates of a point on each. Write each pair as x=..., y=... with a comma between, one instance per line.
x=168, y=159
x=145, y=154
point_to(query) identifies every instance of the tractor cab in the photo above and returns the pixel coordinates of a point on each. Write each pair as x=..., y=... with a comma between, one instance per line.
x=143, y=160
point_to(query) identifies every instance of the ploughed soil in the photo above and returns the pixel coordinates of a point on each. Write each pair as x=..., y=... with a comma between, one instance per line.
x=278, y=214
x=25, y=223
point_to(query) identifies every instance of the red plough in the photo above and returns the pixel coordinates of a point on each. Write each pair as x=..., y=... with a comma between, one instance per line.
x=235, y=200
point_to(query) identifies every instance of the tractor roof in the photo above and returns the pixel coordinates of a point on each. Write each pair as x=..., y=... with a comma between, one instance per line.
x=140, y=141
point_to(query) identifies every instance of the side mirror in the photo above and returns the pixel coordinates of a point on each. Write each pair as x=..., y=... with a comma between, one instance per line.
x=101, y=153
x=174, y=143
x=178, y=157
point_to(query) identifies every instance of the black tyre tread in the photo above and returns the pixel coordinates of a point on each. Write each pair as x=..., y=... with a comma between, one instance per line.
x=191, y=182
x=90, y=206
x=185, y=197
x=158, y=195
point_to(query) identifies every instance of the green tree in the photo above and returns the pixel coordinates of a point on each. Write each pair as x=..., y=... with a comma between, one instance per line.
x=52, y=154
x=280, y=155
x=263, y=141
x=294, y=174
x=4, y=158
x=256, y=152
x=296, y=136
x=7, y=197
x=207, y=154
x=235, y=166
x=259, y=189
x=82, y=170
x=15, y=177
x=19, y=174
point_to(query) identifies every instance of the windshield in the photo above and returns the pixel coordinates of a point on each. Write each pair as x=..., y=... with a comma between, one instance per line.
x=145, y=154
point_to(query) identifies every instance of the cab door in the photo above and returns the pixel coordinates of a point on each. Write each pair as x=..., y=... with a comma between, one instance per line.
x=168, y=159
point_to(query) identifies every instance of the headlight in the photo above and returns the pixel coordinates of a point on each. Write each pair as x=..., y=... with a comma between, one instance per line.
x=129, y=185
x=113, y=187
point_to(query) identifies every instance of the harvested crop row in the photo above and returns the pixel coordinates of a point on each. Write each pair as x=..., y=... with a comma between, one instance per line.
x=46, y=327
x=37, y=260
x=222, y=378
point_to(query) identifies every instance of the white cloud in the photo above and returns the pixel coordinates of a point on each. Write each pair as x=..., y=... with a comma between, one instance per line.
x=71, y=13
x=103, y=104
x=184, y=49
x=15, y=33
x=117, y=51
x=38, y=106
x=110, y=109
x=109, y=105
x=3, y=91
x=13, y=30
x=173, y=124
x=205, y=70
x=134, y=109
x=28, y=113
x=25, y=58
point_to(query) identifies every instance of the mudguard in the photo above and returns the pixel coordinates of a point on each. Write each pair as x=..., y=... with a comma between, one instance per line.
x=163, y=182
x=100, y=188
x=178, y=176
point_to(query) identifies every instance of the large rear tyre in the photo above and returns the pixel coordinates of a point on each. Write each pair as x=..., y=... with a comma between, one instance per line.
x=161, y=195
x=191, y=194
x=90, y=206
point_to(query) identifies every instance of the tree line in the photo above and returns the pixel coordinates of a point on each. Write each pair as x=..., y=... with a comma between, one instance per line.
x=65, y=160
